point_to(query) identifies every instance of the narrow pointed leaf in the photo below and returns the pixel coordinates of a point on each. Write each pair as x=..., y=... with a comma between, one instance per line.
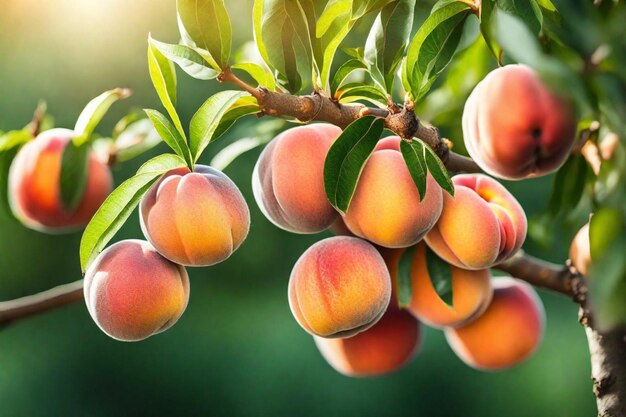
x=120, y=204
x=405, y=280
x=206, y=120
x=438, y=170
x=10, y=144
x=170, y=135
x=440, y=273
x=343, y=72
x=346, y=158
x=73, y=177
x=260, y=74
x=188, y=59
x=414, y=156
x=207, y=23
x=95, y=110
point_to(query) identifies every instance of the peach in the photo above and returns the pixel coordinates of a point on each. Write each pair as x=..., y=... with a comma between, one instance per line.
x=195, y=218
x=132, y=292
x=507, y=333
x=34, y=185
x=516, y=127
x=386, y=208
x=580, y=251
x=482, y=225
x=471, y=291
x=385, y=347
x=288, y=179
x=339, y=287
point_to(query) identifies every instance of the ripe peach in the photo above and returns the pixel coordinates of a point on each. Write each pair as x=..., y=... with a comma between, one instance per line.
x=195, y=218
x=385, y=208
x=385, y=347
x=288, y=179
x=516, y=127
x=580, y=251
x=482, y=225
x=507, y=333
x=471, y=294
x=34, y=185
x=339, y=287
x=132, y=292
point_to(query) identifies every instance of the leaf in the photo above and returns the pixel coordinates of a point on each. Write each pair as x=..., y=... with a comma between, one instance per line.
x=260, y=75
x=120, y=204
x=404, y=282
x=333, y=26
x=126, y=121
x=388, y=40
x=568, y=186
x=438, y=170
x=73, y=177
x=343, y=72
x=207, y=23
x=433, y=46
x=440, y=273
x=10, y=144
x=357, y=91
x=164, y=80
x=206, y=120
x=415, y=158
x=607, y=276
x=257, y=21
x=94, y=111
x=137, y=138
x=284, y=26
x=346, y=158
x=243, y=106
x=188, y=59
x=170, y=135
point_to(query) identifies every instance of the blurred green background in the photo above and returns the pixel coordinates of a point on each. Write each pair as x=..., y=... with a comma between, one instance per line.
x=237, y=350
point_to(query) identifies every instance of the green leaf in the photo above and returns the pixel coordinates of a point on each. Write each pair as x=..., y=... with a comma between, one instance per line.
x=404, y=282
x=73, y=177
x=346, y=158
x=351, y=92
x=10, y=144
x=188, y=59
x=126, y=121
x=94, y=111
x=433, y=46
x=120, y=204
x=206, y=120
x=440, y=273
x=257, y=21
x=137, y=138
x=333, y=26
x=438, y=170
x=414, y=154
x=207, y=23
x=343, y=72
x=568, y=186
x=284, y=26
x=170, y=135
x=260, y=75
x=243, y=106
x=607, y=276
x=388, y=40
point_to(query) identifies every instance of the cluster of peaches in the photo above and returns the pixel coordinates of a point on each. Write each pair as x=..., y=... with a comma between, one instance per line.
x=344, y=289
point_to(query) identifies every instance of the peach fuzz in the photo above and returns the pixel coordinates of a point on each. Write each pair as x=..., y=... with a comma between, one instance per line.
x=34, y=185
x=339, y=287
x=507, y=333
x=195, y=218
x=385, y=347
x=385, y=208
x=580, y=251
x=482, y=225
x=288, y=179
x=515, y=127
x=132, y=292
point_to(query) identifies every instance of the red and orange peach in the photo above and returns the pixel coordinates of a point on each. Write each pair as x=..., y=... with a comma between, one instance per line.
x=386, y=207
x=516, y=127
x=132, y=292
x=288, y=179
x=482, y=225
x=35, y=190
x=195, y=218
x=507, y=333
x=339, y=287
